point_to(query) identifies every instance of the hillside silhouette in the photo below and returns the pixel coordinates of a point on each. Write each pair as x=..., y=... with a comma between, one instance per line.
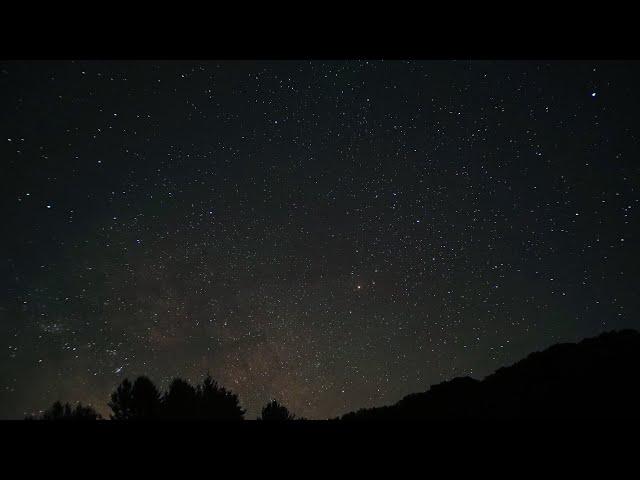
x=596, y=378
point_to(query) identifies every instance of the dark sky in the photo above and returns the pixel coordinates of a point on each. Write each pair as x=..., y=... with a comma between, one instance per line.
x=334, y=235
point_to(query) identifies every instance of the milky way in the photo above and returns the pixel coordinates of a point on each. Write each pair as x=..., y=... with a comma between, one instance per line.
x=333, y=235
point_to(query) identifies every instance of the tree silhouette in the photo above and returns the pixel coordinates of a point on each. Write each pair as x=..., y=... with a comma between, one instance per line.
x=216, y=402
x=58, y=411
x=180, y=401
x=274, y=411
x=122, y=401
x=138, y=401
x=145, y=399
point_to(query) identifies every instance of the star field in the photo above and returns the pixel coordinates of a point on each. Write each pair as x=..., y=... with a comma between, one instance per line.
x=334, y=235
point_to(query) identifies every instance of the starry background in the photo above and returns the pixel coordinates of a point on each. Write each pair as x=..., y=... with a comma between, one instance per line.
x=334, y=235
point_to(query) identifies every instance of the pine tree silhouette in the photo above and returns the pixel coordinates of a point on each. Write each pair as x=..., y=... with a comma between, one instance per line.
x=180, y=401
x=217, y=403
x=121, y=403
x=145, y=399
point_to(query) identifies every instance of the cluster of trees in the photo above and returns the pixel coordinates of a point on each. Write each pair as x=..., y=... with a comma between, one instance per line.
x=59, y=411
x=274, y=411
x=141, y=400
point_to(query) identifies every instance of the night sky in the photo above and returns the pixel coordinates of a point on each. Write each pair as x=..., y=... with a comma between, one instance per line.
x=330, y=234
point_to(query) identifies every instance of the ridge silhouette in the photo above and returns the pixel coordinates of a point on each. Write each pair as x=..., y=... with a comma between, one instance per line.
x=598, y=377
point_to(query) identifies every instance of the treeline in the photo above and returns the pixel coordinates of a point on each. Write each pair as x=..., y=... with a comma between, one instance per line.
x=595, y=378
x=142, y=400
